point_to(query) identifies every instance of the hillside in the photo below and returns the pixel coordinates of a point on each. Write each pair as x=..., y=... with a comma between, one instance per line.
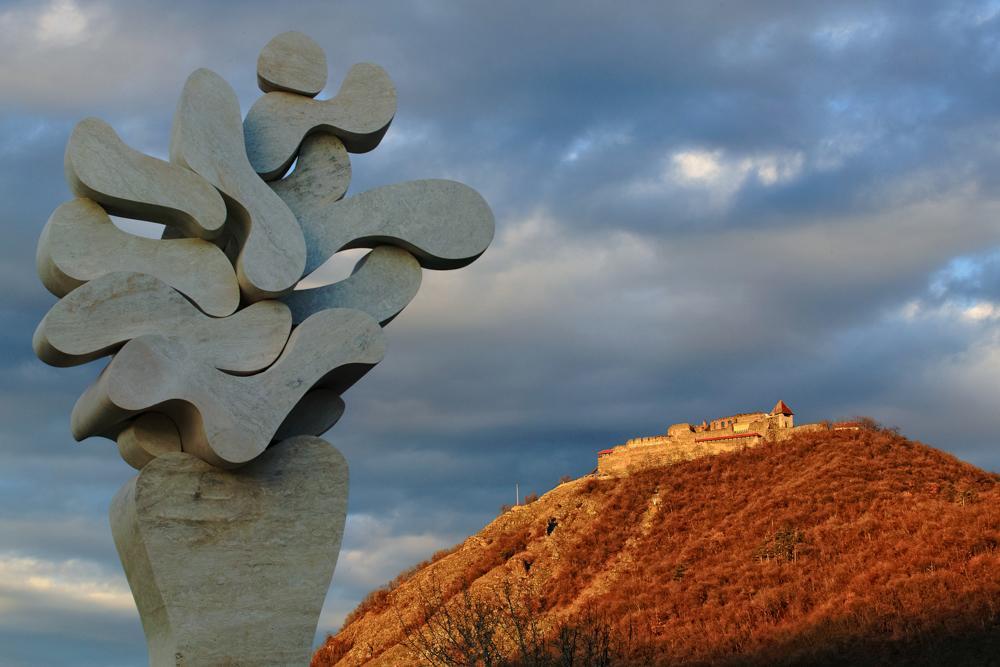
x=837, y=547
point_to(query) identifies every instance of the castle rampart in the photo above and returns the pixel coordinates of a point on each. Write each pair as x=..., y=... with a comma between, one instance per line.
x=684, y=441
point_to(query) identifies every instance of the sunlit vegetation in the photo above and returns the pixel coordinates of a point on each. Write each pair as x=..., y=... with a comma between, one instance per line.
x=839, y=547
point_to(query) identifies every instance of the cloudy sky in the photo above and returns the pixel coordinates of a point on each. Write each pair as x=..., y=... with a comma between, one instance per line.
x=700, y=210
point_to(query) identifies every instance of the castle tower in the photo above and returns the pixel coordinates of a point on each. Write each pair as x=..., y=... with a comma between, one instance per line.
x=784, y=417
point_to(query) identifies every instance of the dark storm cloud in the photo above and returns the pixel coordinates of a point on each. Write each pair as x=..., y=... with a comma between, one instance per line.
x=700, y=208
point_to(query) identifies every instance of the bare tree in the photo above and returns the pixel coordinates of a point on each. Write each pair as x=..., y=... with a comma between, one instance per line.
x=503, y=626
x=458, y=632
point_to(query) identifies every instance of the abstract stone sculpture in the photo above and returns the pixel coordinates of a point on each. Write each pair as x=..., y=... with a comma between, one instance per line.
x=224, y=419
x=359, y=116
x=232, y=568
x=207, y=138
x=148, y=436
x=382, y=284
x=292, y=62
x=126, y=182
x=80, y=243
x=100, y=316
x=429, y=218
x=223, y=369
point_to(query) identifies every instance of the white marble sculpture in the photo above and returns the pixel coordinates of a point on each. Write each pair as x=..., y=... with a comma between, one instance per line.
x=80, y=243
x=359, y=116
x=125, y=182
x=100, y=316
x=223, y=368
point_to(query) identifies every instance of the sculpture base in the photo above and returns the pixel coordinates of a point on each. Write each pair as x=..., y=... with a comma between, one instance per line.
x=231, y=567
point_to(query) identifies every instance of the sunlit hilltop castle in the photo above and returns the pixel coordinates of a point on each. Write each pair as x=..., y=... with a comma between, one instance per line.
x=686, y=441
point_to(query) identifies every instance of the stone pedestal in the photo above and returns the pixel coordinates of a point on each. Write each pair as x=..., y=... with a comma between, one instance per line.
x=231, y=567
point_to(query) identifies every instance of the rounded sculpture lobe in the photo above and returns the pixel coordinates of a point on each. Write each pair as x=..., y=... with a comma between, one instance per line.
x=292, y=62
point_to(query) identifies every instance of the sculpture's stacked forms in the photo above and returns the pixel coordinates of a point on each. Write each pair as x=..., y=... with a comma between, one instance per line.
x=382, y=284
x=359, y=116
x=98, y=317
x=125, y=182
x=223, y=371
x=208, y=139
x=292, y=62
x=148, y=436
x=80, y=243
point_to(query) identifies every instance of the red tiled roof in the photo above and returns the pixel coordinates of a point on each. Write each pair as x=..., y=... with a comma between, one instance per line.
x=605, y=451
x=782, y=409
x=729, y=437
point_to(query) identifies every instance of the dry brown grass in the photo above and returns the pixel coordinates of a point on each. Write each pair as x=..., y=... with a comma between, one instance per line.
x=857, y=546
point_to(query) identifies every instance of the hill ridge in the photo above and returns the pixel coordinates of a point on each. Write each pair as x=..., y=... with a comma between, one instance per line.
x=834, y=545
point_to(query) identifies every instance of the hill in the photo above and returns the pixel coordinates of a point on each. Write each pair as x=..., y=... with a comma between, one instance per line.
x=834, y=547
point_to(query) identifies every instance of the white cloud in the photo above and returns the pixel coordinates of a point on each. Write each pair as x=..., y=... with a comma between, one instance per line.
x=776, y=168
x=911, y=310
x=38, y=30
x=592, y=141
x=698, y=166
x=68, y=584
x=62, y=23
x=949, y=400
x=984, y=310
x=723, y=174
x=66, y=54
x=978, y=312
x=375, y=550
x=536, y=250
x=571, y=303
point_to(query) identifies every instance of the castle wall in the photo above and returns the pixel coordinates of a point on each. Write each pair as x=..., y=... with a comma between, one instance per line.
x=683, y=442
x=724, y=423
x=679, y=430
x=646, y=441
x=805, y=428
x=623, y=460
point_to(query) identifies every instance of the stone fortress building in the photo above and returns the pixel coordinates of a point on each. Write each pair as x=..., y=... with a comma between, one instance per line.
x=686, y=441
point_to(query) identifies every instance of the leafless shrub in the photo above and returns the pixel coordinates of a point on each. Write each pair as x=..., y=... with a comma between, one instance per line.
x=503, y=626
